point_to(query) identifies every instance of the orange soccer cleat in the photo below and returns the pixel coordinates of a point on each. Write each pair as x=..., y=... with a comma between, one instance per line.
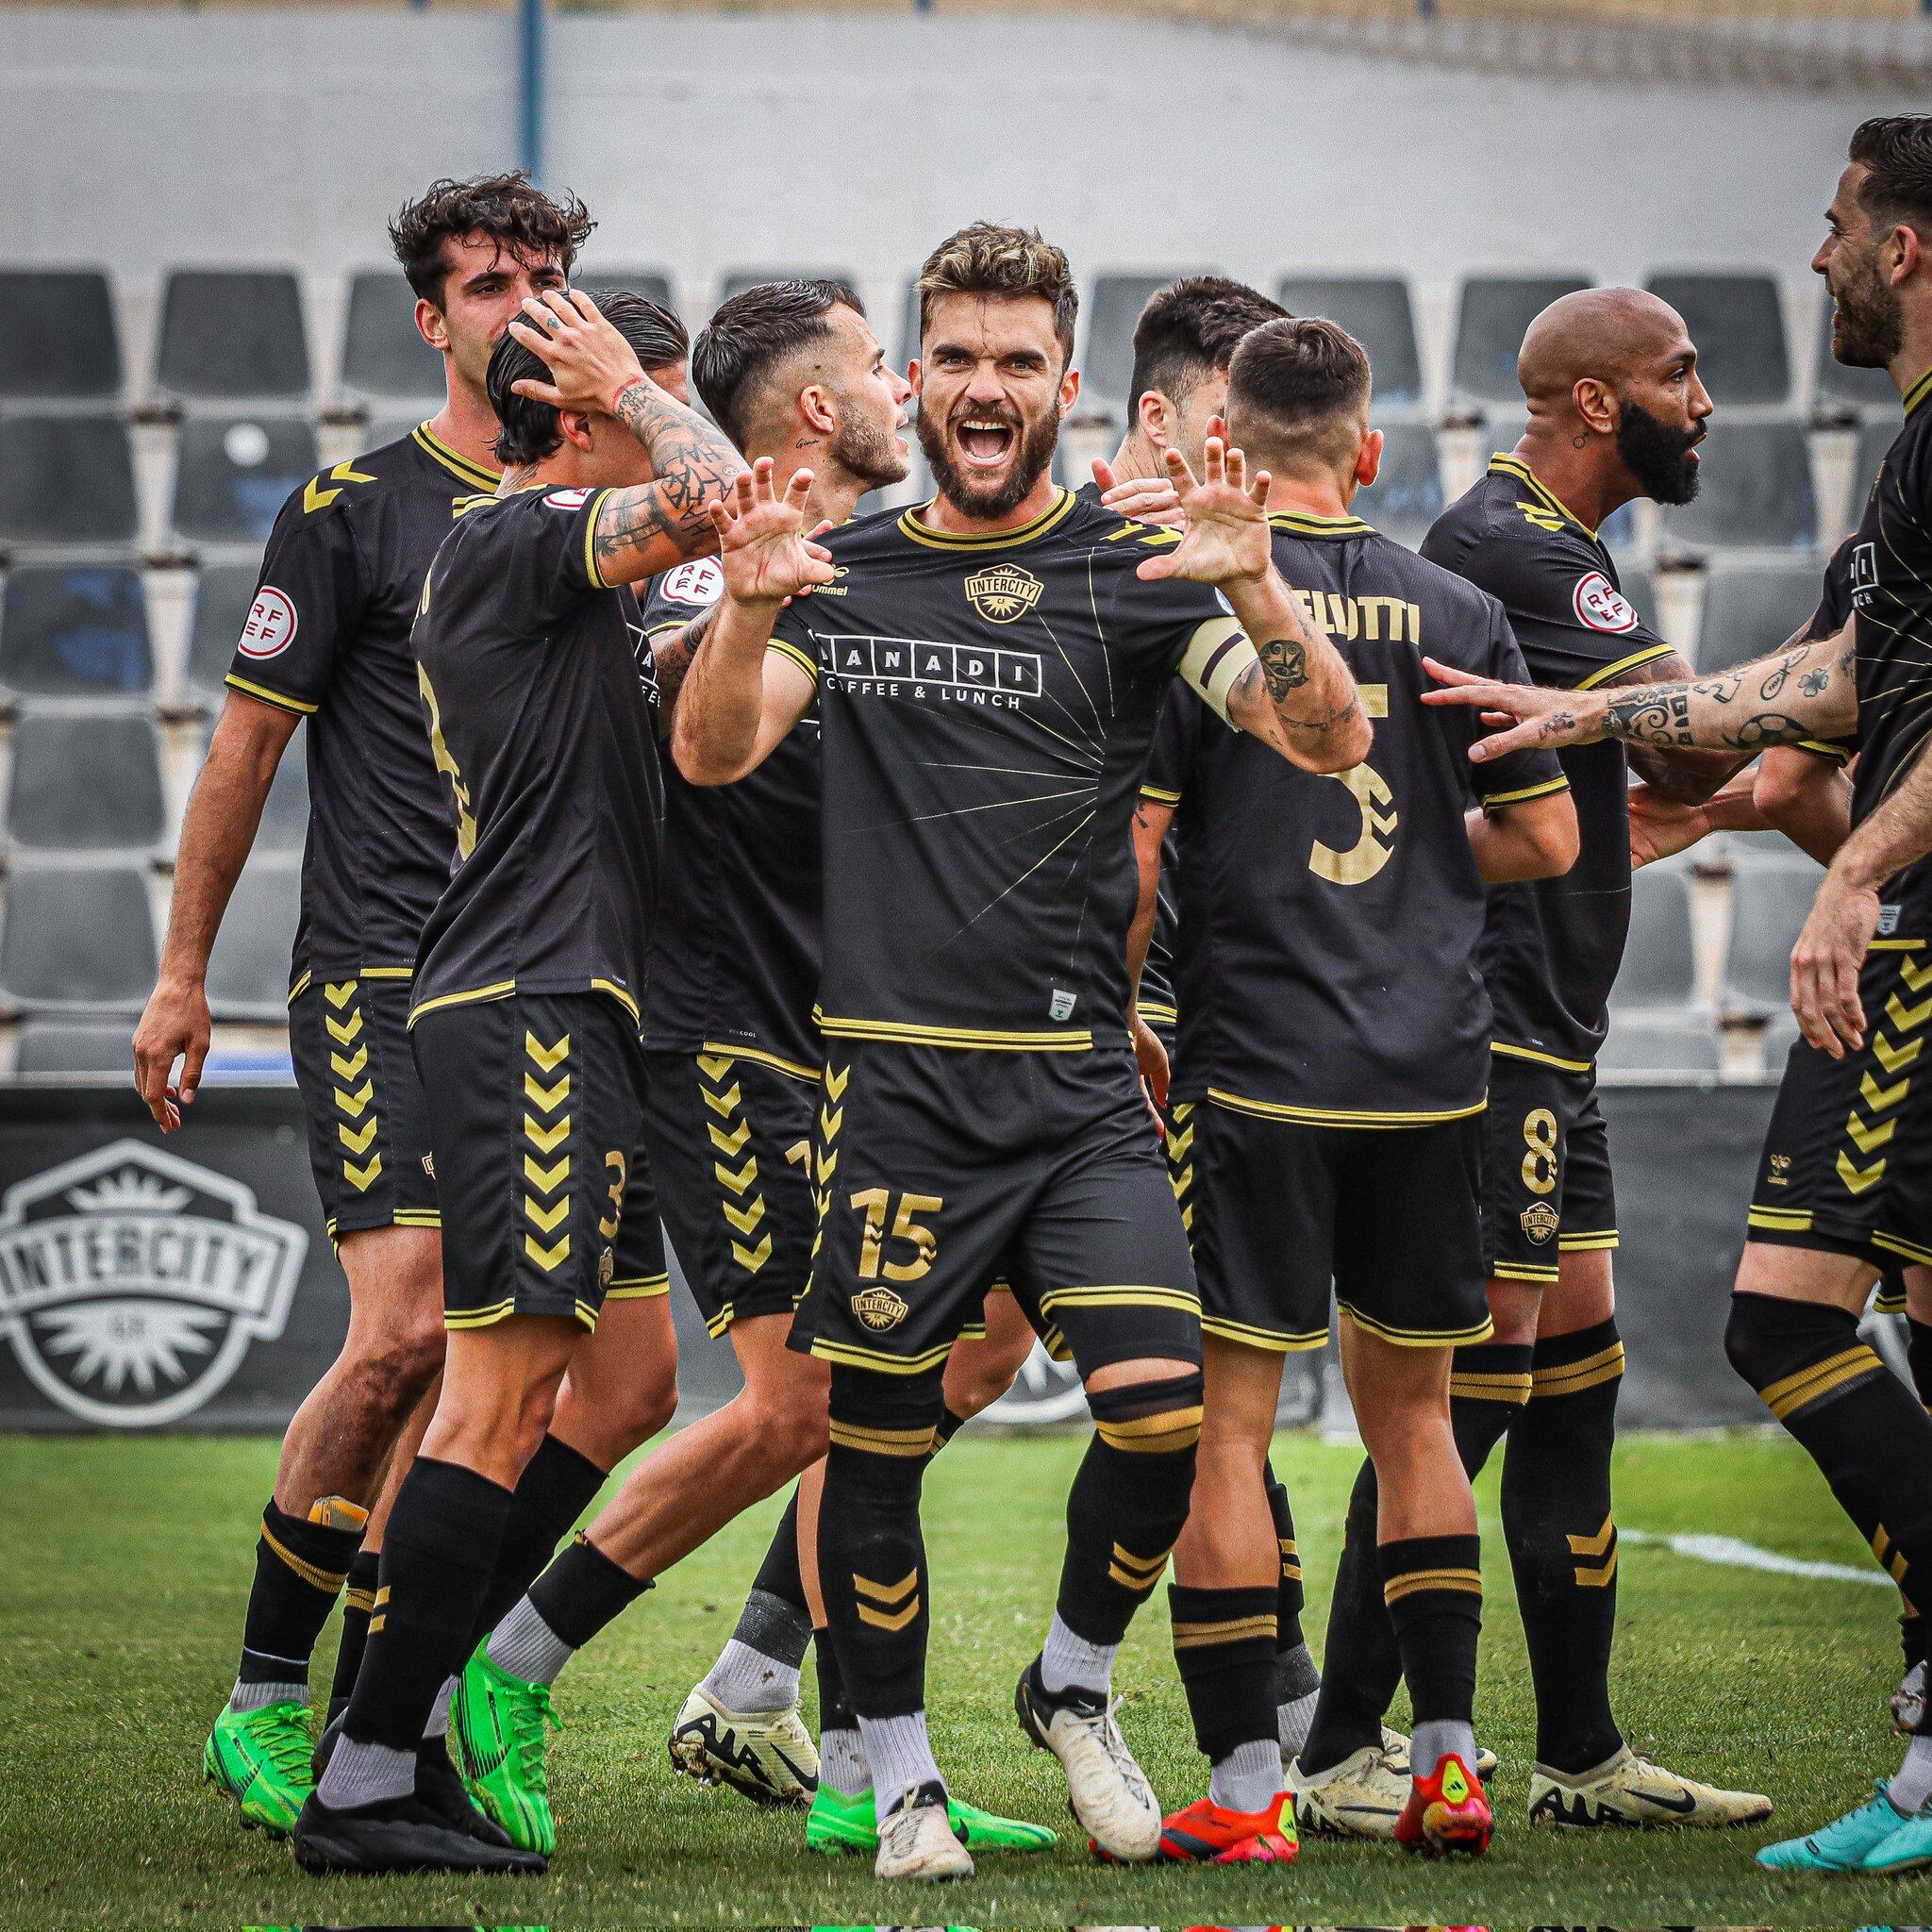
x=1209, y=1834
x=1447, y=1813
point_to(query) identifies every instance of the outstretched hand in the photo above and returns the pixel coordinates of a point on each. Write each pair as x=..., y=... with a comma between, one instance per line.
x=762, y=549
x=589, y=362
x=1140, y=499
x=1535, y=715
x=1224, y=517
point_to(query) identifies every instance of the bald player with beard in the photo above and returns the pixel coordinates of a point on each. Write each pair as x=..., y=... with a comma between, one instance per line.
x=1616, y=411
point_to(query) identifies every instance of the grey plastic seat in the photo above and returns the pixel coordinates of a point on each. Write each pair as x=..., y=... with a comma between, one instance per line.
x=1106, y=351
x=1752, y=606
x=284, y=827
x=1771, y=898
x=84, y=781
x=1639, y=585
x=1659, y=966
x=76, y=939
x=1408, y=495
x=1877, y=435
x=383, y=355
x=1756, y=492
x=66, y=480
x=56, y=336
x=1738, y=324
x=223, y=594
x=1490, y=318
x=235, y=472
x=1666, y=1045
x=1376, y=311
x=248, y=969
x=232, y=335
x=651, y=283
x=44, y=1047
x=1840, y=388
x=74, y=630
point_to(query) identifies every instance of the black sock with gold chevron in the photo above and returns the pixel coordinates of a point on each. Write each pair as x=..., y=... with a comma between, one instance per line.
x=1563, y=1543
x=301, y=1563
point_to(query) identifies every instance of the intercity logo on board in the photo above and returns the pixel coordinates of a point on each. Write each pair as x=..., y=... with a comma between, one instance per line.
x=133, y=1282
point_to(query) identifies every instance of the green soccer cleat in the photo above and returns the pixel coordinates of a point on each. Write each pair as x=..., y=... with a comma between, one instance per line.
x=260, y=1759
x=1908, y=1849
x=837, y=1823
x=499, y=1722
x=1843, y=1844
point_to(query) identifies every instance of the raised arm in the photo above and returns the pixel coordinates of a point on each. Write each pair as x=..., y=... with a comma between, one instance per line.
x=741, y=696
x=1688, y=776
x=650, y=526
x=1301, y=697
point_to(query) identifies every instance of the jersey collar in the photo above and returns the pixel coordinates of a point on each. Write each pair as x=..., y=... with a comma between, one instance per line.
x=1056, y=512
x=1302, y=523
x=1919, y=391
x=460, y=467
x=1510, y=466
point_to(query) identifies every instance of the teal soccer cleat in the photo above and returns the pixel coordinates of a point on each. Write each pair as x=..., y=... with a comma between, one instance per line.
x=1843, y=1844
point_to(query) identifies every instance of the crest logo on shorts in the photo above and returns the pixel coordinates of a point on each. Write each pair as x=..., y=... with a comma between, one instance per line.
x=132, y=1282
x=1887, y=921
x=879, y=1308
x=1540, y=1222
x=607, y=1268
x=1780, y=1175
x=1003, y=592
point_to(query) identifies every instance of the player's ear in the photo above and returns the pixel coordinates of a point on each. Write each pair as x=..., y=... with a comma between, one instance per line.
x=575, y=425
x=1153, y=418
x=1595, y=404
x=1368, y=462
x=815, y=408
x=1070, y=391
x=1903, y=253
x=431, y=327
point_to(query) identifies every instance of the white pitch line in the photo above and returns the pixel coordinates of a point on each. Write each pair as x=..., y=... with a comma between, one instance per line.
x=1738, y=1555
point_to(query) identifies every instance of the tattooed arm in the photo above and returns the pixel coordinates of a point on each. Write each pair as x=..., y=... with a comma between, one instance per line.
x=671, y=652
x=1686, y=778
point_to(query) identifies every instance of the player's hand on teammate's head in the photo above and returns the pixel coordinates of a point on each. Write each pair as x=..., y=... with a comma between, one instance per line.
x=588, y=361
x=762, y=549
x=1533, y=716
x=1140, y=499
x=1224, y=518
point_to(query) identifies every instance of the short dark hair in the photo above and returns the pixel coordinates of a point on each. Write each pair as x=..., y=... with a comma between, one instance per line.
x=511, y=209
x=529, y=429
x=1306, y=379
x=753, y=332
x=984, y=258
x=1896, y=149
x=1191, y=329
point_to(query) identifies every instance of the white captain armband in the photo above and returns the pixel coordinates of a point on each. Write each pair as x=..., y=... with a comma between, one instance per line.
x=1216, y=655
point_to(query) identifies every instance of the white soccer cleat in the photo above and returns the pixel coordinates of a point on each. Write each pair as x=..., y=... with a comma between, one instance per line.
x=1628, y=1789
x=767, y=1755
x=1108, y=1792
x=917, y=1838
x=1395, y=1749
x=1360, y=1797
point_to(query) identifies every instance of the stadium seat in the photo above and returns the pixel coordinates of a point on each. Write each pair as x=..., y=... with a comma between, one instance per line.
x=56, y=336
x=248, y=969
x=1407, y=495
x=232, y=335
x=1663, y=1044
x=1869, y=391
x=1738, y=324
x=284, y=826
x=1877, y=435
x=1639, y=585
x=1751, y=606
x=74, y=630
x=1375, y=310
x=1756, y=492
x=1660, y=965
x=1493, y=315
x=1780, y=1036
x=223, y=594
x=1106, y=349
x=76, y=938
x=44, y=1047
x=651, y=283
x=1771, y=896
x=235, y=472
x=383, y=355
x=84, y=781
x=909, y=328
x=66, y=480
x=739, y=280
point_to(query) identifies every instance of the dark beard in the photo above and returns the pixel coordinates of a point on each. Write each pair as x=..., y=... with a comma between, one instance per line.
x=1036, y=443
x=869, y=454
x=1868, y=324
x=1657, y=456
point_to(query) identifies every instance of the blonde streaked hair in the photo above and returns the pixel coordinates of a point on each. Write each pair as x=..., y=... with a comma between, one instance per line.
x=987, y=259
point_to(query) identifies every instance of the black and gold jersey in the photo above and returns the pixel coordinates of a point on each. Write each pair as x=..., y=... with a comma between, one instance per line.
x=1553, y=947
x=1889, y=582
x=542, y=719
x=1330, y=925
x=986, y=704
x=734, y=949
x=329, y=638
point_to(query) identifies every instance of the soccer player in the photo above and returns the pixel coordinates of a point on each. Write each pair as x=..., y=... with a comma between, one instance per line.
x=1842, y=1188
x=1616, y=410
x=327, y=639
x=987, y=685
x=525, y=1014
x=1333, y=1055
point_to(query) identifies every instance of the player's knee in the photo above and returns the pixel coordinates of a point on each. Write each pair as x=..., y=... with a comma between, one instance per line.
x=975, y=1382
x=790, y=1436
x=399, y=1362
x=1154, y=1426
x=1768, y=1337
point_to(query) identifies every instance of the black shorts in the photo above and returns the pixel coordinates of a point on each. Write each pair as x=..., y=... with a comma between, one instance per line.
x=536, y=1107
x=939, y=1170
x=730, y=1140
x=1546, y=1169
x=368, y=1128
x=1390, y=1216
x=1847, y=1161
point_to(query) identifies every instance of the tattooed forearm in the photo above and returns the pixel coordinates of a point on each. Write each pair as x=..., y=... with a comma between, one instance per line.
x=1662, y=716
x=653, y=525
x=1284, y=664
x=671, y=652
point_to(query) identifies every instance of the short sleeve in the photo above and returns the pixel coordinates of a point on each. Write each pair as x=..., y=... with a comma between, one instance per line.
x=1177, y=736
x=792, y=639
x=307, y=602
x=1520, y=775
x=674, y=597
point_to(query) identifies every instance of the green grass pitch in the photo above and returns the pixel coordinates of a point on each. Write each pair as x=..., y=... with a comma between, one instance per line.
x=121, y=1596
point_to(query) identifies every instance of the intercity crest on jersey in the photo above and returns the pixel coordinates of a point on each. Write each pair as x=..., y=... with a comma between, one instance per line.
x=879, y=1308
x=1540, y=1222
x=132, y=1282
x=1003, y=592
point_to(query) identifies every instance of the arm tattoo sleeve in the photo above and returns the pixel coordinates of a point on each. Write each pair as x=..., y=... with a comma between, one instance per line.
x=672, y=651
x=692, y=464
